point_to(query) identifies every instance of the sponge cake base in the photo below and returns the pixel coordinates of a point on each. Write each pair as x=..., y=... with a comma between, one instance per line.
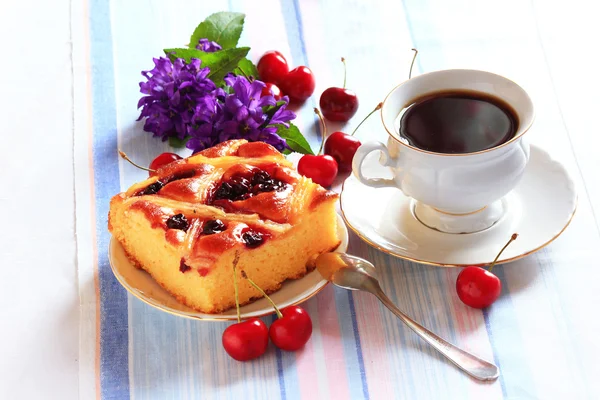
x=283, y=257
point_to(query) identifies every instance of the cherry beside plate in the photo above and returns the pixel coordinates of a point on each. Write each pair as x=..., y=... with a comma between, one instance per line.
x=140, y=284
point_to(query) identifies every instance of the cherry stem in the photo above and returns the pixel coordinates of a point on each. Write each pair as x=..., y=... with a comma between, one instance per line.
x=323, y=129
x=279, y=315
x=344, y=61
x=512, y=238
x=367, y=117
x=413, y=62
x=236, y=259
x=126, y=158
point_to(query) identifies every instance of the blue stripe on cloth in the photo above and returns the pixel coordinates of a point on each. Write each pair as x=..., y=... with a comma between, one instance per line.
x=289, y=383
x=114, y=356
x=294, y=30
x=400, y=279
x=424, y=291
x=352, y=350
x=359, y=355
x=289, y=378
x=295, y=33
x=513, y=364
x=300, y=30
x=172, y=357
x=353, y=356
x=488, y=327
x=280, y=375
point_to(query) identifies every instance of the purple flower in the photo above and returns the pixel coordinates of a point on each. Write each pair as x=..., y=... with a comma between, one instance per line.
x=243, y=114
x=173, y=92
x=180, y=101
x=208, y=46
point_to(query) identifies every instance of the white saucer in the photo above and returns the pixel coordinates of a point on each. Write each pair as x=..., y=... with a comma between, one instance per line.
x=140, y=284
x=539, y=209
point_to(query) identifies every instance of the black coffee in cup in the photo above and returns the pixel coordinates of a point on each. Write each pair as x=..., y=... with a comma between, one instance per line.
x=457, y=122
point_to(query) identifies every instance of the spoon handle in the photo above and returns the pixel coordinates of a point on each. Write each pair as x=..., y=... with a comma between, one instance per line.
x=471, y=364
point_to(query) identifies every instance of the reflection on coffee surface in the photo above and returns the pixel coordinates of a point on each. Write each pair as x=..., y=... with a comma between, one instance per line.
x=457, y=122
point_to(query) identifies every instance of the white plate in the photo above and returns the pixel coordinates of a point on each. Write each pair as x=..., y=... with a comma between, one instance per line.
x=539, y=210
x=140, y=284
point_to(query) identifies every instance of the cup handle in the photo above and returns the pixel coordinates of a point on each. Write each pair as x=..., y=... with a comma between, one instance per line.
x=387, y=161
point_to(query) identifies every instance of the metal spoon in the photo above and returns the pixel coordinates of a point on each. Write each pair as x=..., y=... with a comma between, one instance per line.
x=354, y=273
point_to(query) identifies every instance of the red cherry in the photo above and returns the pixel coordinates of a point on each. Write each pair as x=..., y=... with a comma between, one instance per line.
x=161, y=160
x=321, y=169
x=298, y=84
x=342, y=147
x=339, y=104
x=272, y=90
x=477, y=287
x=272, y=67
x=293, y=326
x=292, y=330
x=246, y=340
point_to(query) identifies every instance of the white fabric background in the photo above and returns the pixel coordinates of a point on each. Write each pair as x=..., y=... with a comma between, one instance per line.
x=39, y=304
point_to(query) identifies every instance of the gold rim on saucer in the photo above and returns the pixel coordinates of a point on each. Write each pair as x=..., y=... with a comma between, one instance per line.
x=436, y=264
x=373, y=239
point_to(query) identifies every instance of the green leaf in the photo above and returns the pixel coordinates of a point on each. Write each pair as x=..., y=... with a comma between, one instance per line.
x=220, y=62
x=186, y=54
x=294, y=139
x=225, y=28
x=246, y=68
x=271, y=110
x=178, y=143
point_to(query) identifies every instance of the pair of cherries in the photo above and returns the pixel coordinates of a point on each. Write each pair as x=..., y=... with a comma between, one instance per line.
x=273, y=69
x=247, y=340
x=337, y=104
x=339, y=149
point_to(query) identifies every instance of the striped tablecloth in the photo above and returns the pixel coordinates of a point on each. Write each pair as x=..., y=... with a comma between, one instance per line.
x=542, y=333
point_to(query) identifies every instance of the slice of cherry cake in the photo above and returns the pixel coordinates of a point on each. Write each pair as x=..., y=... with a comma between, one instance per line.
x=185, y=225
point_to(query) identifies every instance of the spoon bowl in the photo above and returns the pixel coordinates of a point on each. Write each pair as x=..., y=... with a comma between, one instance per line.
x=330, y=266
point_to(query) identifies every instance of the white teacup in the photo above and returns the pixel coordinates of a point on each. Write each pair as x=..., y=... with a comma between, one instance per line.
x=454, y=193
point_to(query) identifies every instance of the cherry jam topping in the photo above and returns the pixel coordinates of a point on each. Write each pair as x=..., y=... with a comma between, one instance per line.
x=263, y=182
x=183, y=267
x=213, y=226
x=253, y=239
x=241, y=188
x=175, y=176
x=261, y=177
x=151, y=189
x=178, y=221
x=237, y=188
